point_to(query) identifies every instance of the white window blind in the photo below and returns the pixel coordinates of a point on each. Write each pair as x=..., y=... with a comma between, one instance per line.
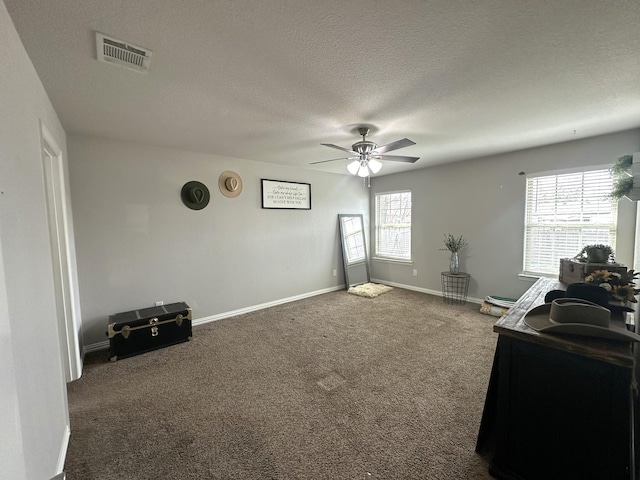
x=393, y=225
x=563, y=214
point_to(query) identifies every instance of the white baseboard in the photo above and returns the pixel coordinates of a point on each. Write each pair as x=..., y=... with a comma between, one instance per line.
x=262, y=306
x=94, y=347
x=423, y=290
x=232, y=313
x=63, y=450
x=212, y=318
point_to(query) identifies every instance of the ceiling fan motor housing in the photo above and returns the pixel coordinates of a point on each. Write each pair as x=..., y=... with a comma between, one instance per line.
x=364, y=147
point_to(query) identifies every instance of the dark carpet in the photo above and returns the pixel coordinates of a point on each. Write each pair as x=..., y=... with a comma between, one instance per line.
x=331, y=387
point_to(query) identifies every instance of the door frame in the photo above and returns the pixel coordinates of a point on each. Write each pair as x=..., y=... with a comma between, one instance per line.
x=64, y=274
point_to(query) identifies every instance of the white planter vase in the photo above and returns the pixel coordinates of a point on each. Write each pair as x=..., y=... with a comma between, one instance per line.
x=634, y=194
x=635, y=166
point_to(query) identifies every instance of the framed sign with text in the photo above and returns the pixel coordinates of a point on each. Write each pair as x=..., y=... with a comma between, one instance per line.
x=287, y=195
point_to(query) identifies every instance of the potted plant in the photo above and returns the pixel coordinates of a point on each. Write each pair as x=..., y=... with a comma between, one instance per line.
x=597, y=253
x=625, y=170
x=622, y=186
x=622, y=166
x=454, y=245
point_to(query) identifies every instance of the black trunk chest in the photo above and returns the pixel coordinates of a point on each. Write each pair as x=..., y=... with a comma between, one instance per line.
x=140, y=331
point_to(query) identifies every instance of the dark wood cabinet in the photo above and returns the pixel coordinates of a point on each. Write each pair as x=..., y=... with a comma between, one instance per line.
x=558, y=406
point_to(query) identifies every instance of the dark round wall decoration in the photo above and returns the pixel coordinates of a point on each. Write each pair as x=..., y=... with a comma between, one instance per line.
x=195, y=195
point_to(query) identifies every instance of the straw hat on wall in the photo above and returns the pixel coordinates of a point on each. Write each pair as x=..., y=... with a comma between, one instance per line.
x=230, y=184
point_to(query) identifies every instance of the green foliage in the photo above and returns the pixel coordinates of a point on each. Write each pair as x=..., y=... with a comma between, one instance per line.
x=621, y=186
x=622, y=179
x=597, y=253
x=622, y=166
x=454, y=244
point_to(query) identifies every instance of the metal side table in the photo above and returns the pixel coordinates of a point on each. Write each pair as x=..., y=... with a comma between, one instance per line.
x=455, y=287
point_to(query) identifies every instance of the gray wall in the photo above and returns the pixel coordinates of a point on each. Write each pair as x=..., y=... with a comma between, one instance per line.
x=138, y=244
x=484, y=199
x=33, y=397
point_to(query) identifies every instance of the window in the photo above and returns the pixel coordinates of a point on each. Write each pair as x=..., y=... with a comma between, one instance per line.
x=393, y=225
x=563, y=214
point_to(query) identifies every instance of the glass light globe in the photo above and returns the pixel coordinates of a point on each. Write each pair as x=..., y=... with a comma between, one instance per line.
x=353, y=167
x=375, y=165
x=364, y=171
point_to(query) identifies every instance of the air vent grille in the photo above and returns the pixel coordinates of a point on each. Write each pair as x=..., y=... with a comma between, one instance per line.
x=117, y=52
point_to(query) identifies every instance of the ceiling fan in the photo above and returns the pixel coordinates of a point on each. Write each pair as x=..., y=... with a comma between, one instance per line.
x=366, y=155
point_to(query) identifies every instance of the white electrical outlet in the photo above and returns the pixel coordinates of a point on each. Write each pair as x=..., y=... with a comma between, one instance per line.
x=415, y=272
x=160, y=303
x=335, y=272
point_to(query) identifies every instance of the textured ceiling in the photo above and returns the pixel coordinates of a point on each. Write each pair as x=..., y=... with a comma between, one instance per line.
x=271, y=80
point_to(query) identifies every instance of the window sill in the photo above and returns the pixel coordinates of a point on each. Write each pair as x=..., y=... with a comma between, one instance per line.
x=392, y=260
x=532, y=277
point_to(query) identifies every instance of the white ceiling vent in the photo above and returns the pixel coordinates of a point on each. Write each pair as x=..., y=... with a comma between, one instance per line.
x=121, y=53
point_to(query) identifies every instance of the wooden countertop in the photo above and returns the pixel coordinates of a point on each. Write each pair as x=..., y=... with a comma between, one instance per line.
x=512, y=324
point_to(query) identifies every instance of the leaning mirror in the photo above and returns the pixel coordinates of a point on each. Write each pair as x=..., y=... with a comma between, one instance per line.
x=354, y=251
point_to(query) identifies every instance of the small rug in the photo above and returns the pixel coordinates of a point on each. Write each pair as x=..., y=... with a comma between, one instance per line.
x=369, y=290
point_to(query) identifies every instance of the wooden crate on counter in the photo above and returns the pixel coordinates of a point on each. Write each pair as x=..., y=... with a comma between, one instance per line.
x=573, y=271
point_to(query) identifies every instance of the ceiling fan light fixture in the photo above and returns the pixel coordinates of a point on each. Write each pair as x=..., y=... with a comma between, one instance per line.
x=367, y=154
x=375, y=165
x=353, y=167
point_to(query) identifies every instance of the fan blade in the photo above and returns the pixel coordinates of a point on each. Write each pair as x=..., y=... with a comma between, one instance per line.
x=405, y=142
x=334, y=159
x=339, y=148
x=397, y=158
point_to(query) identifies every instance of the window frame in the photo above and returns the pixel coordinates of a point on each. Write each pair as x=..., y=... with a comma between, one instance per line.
x=590, y=205
x=386, y=255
